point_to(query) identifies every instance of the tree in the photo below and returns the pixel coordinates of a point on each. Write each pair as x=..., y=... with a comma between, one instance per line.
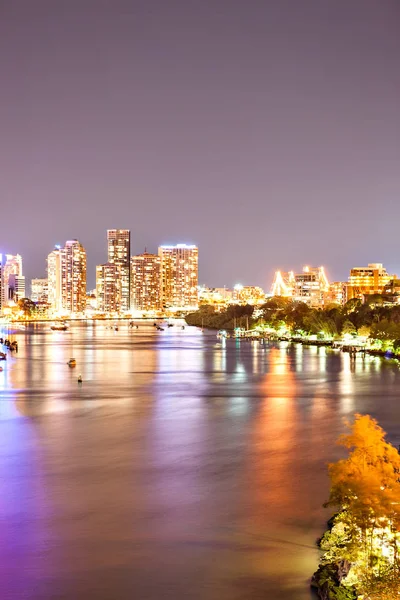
x=351, y=305
x=361, y=548
x=364, y=331
x=367, y=483
x=375, y=299
x=385, y=330
x=27, y=306
x=319, y=321
x=348, y=328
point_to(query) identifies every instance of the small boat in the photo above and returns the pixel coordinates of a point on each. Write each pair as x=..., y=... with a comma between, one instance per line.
x=80, y=379
x=170, y=325
x=116, y=328
x=72, y=362
x=60, y=327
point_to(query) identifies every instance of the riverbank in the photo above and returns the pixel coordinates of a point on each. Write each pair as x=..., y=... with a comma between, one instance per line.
x=89, y=320
x=360, y=549
x=341, y=346
x=372, y=324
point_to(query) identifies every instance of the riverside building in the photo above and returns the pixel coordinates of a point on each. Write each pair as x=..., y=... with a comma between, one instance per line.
x=310, y=286
x=146, y=282
x=54, y=280
x=179, y=276
x=13, y=282
x=337, y=292
x=39, y=290
x=73, y=277
x=119, y=253
x=217, y=297
x=1, y=283
x=367, y=280
x=248, y=294
x=106, y=288
x=16, y=288
x=66, y=269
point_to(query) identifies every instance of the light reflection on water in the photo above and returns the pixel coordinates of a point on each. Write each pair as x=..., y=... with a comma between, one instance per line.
x=183, y=467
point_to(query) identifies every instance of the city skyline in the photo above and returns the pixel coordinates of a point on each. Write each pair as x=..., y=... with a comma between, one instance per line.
x=347, y=264
x=266, y=133
x=276, y=280
x=169, y=280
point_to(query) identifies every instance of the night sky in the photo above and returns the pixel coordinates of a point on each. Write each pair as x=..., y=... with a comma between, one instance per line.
x=265, y=131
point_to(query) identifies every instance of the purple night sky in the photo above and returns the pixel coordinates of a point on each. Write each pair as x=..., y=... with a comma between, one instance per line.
x=265, y=131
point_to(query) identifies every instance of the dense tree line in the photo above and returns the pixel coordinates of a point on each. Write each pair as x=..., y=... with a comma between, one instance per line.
x=374, y=318
x=233, y=316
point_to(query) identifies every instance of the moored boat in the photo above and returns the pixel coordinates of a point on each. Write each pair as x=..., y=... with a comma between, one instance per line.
x=59, y=327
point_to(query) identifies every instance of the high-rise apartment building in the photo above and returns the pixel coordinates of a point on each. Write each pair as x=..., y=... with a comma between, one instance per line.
x=179, y=275
x=11, y=266
x=39, y=290
x=1, y=283
x=66, y=270
x=119, y=254
x=16, y=288
x=146, y=282
x=367, y=280
x=106, y=289
x=73, y=277
x=310, y=286
x=54, y=280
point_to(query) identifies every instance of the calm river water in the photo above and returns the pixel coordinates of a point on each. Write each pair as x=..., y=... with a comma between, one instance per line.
x=182, y=468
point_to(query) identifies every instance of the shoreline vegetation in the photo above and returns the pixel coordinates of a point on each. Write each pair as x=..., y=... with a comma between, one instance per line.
x=373, y=327
x=360, y=557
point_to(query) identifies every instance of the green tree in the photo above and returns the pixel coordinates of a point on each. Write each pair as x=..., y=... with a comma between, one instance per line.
x=27, y=306
x=348, y=328
x=351, y=305
x=364, y=331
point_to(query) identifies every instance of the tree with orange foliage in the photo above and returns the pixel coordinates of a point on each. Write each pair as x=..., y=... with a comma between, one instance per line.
x=367, y=483
x=366, y=488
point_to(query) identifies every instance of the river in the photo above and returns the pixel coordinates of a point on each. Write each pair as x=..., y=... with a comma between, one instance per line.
x=183, y=468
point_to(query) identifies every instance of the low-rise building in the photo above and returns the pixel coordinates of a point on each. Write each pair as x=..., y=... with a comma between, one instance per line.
x=310, y=286
x=367, y=280
x=248, y=294
x=392, y=288
x=217, y=297
x=336, y=293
